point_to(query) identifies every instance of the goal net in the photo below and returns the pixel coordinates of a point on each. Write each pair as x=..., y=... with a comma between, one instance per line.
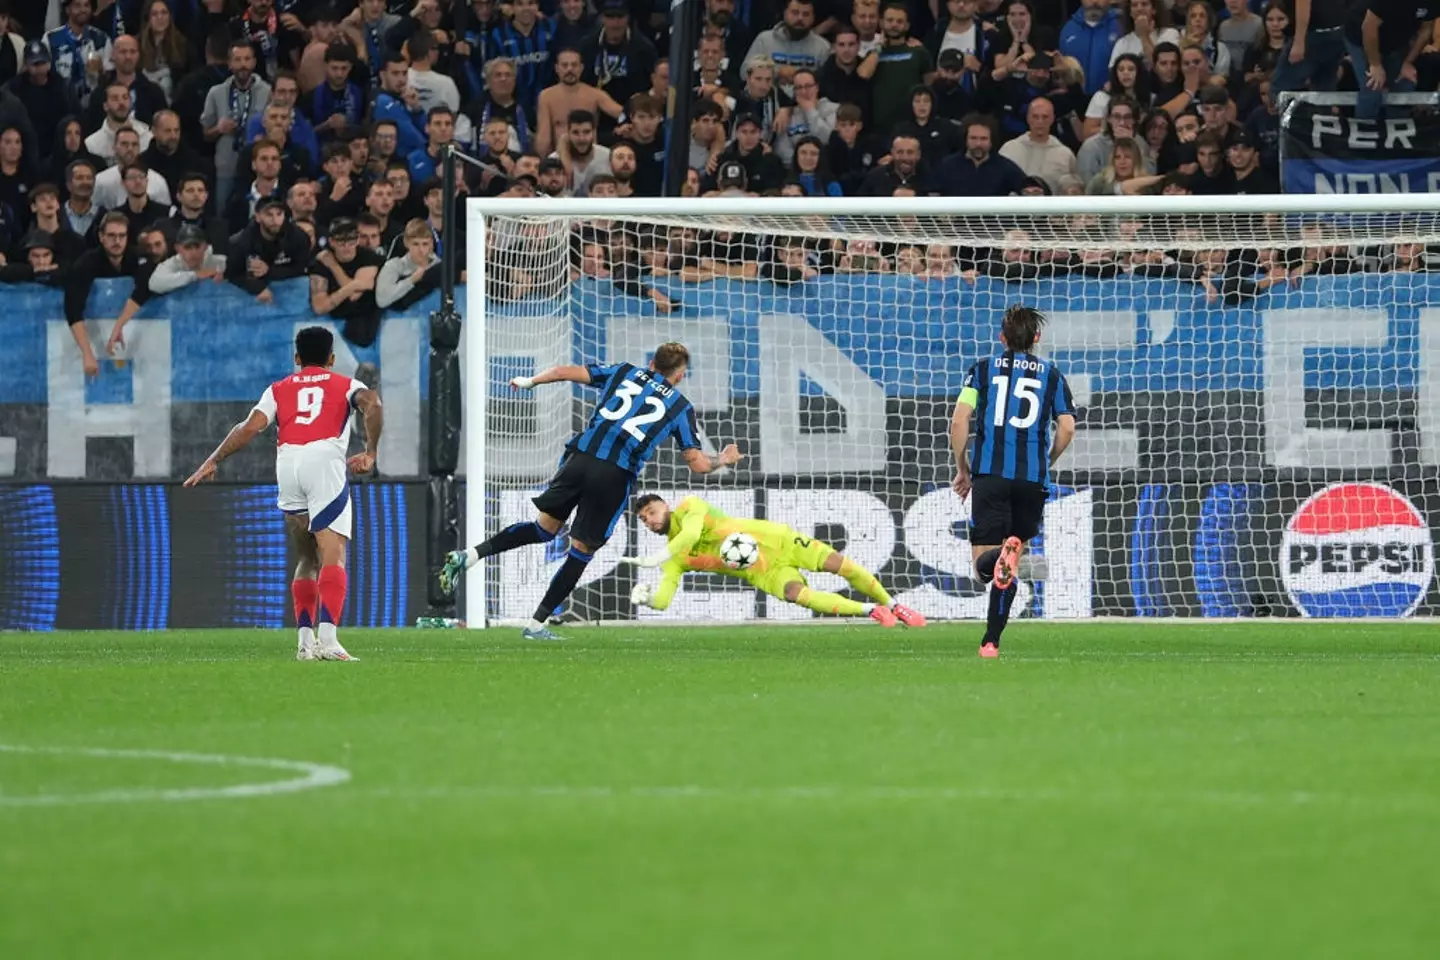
x=1257, y=382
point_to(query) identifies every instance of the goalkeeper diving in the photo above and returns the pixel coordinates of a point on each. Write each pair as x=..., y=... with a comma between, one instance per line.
x=695, y=530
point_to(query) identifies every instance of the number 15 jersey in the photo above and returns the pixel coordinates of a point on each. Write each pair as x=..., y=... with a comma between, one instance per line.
x=311, y=407
x=1016, y=396
x=638, y=411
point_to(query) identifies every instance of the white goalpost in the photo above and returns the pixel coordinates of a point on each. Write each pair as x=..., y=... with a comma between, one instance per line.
x=1257, y=379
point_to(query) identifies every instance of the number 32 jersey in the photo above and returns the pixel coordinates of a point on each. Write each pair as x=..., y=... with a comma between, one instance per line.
x=311, y=407
x=1016, y=396
x=638, y=411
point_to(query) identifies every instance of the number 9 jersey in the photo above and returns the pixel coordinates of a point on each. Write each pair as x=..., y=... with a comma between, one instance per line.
x=311, y=411
x=639, y=411
x=1016, y=396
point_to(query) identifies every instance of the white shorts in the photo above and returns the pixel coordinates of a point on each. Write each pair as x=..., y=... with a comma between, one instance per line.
x=313, y=481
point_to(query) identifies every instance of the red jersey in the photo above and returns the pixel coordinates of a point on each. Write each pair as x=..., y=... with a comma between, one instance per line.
x=312, y=406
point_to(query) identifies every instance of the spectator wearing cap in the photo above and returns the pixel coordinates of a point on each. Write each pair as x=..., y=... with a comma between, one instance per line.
x=137, y=207
x=938, y=137
x=229, y=106
x=338, y=102
x=143, y=96
x=959, y=30
x=34, y=261
x=731, y=180
x=79, y=51
x=850, y=155
x=617, y=59
x=1146, y=25
x=114, y=258
x=1122, y=121
x=905, y=169
x=43, y=94
x=953, y=99
x=896, y=68
x=79, y=211
x=1250, y=176
x=979, y=171
x=569, y=94
x=1039, y=153
x=45, y=219
x=192, y=262
x=109, y=183
x=270, y=248
x=1384, y=37
x=550, y=178
x=582, y=156
x=792, y=44
x=1013, y=93
x=192, y=196
x=1089, y=36
x=840, y=79
x=342, y=283
x=406, y=280
x=763, y=170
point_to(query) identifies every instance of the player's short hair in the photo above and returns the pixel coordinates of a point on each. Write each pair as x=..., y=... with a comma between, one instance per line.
x=418, y=229
x=646, y=103
x=578, y=118
x=44, y=189
x=1021, y=326
x=670, y=357
x=645, y=499
x=314, y=345
x=849, y=113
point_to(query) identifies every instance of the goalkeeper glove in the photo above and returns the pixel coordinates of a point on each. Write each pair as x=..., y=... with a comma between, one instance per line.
x=522, y=383
x=640, y=595
x=654, y=560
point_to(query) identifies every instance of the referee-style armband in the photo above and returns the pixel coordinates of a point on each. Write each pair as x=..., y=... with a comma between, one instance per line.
x=970, y=397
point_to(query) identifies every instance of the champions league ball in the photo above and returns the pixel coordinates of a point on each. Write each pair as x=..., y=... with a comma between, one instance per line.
x=739, y=551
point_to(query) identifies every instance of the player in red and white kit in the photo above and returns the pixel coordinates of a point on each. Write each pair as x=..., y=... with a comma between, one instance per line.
x=311, y=410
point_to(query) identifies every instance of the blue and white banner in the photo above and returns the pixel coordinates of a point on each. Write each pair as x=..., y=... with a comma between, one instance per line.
x=1324, y=153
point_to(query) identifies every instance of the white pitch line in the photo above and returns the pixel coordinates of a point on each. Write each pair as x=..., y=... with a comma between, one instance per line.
x=313, y=776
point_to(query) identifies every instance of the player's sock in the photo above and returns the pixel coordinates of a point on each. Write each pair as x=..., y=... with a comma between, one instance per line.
x=562, y=583
x=985, y=565
x=515, y=535
x=306, y=594
x=864, y=581
x=331, y=584
x=831, y=603
x=999, y=613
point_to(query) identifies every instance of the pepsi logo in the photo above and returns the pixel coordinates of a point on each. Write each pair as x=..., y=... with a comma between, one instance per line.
x=1357, y=550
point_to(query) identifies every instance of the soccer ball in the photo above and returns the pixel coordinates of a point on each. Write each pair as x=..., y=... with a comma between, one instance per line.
x=739, y=551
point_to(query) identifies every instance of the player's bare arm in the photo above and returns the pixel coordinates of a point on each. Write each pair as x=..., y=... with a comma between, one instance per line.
x=237, y=439
x=565, y=373
x=368, y=403
x=117, y=335
x=959, y=440
x=1064, y=433
x=699, y=463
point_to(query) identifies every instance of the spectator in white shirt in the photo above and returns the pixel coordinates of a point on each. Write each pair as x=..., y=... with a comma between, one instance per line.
x=118, y=116
x=110, y=185
x=1148, y=24
x=1039, y=153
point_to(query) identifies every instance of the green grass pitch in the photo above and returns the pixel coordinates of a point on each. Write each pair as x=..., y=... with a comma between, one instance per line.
x=1104, y=790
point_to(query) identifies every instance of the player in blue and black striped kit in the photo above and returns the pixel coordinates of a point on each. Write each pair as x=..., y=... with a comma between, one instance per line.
x=639, y=410
x=1014, y=398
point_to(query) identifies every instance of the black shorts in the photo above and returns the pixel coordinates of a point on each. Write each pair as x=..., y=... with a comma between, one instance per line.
x=594, y=490
x=1001, y=508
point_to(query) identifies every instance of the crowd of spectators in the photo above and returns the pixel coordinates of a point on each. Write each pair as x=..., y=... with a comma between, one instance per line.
x=248, y=141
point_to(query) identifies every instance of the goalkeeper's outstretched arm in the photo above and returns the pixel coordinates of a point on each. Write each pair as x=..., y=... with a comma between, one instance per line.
x=664, y=591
